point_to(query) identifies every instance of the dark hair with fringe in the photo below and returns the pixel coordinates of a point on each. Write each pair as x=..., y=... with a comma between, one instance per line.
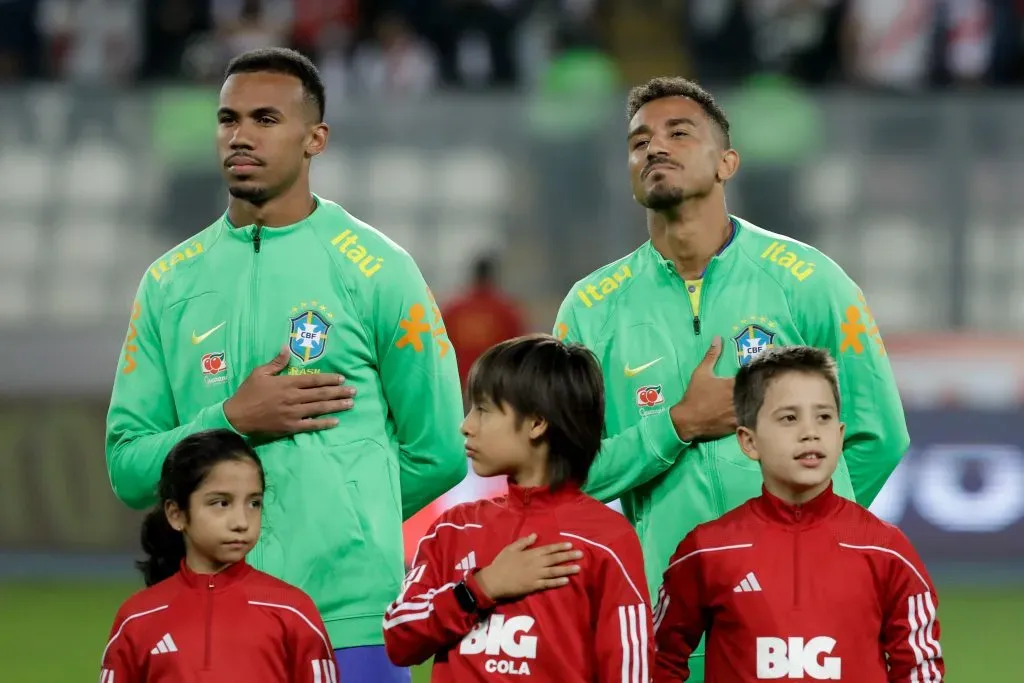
x=537, y=375
x=677, y=86
x=282, y=60
x=184, y=470
x=753, y=380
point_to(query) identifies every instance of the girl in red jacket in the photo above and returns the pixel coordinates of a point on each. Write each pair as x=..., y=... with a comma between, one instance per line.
x=798, y=583
x=546, y=583
x=206, y=616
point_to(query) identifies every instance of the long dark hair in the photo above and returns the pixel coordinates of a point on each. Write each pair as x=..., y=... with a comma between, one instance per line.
x=184, y=470
x=538, y=375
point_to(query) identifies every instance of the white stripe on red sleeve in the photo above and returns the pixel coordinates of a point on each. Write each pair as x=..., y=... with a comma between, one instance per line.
x=633, y=638
x=415, y=608
x=926, y=648
x=324, y=671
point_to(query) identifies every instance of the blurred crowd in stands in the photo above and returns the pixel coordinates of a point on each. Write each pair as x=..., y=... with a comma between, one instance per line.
x=415, y=47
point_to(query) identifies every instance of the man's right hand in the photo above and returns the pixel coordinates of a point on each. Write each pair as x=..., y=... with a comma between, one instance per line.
x=520, y=570
x=706, y=410
x=267, y=403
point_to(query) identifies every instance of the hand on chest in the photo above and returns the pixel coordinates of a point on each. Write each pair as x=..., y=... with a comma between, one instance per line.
x=517, y=570
x=520, y=633
x=479, y=547
x=214, y=339
x=648, y=363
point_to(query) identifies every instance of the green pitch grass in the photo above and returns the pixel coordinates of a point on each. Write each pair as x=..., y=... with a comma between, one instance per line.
x=56, y=631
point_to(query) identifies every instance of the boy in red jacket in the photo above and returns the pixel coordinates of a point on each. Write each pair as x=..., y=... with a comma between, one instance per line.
x=207, y=616
x=798, y=583
x=545, y=583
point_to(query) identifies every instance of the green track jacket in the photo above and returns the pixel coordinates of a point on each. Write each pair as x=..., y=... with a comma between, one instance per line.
x=345, y=299
x=762, y=289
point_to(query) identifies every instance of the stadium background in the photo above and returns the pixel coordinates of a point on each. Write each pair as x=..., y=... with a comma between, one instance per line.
x=496, y=126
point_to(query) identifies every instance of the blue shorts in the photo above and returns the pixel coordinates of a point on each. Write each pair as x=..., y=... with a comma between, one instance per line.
x=369, y=663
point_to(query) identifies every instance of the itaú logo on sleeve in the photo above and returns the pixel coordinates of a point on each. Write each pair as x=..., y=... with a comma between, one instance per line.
x=793, y=658
x=500, y=636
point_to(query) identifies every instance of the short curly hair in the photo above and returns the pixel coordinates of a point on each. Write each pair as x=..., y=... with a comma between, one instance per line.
x=677, y=86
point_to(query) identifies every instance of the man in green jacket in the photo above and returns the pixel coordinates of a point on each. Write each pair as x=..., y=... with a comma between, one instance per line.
x=338, y=310
x=673, y=322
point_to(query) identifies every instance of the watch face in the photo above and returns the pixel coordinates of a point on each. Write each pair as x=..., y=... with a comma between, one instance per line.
x=465, y=597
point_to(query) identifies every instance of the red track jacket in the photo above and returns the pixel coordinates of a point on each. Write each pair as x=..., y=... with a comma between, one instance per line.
x=596, y=629
x=237, y=625
x=820, y=591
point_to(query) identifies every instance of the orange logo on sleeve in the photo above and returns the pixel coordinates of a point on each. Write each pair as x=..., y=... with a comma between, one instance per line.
x=415, y=326
x=858, y=327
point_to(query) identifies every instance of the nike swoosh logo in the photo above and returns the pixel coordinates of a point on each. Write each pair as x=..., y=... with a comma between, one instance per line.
x=633, y=372
x=199, y=338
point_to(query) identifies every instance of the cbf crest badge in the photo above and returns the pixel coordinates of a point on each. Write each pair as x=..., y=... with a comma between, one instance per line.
x=308, y=337
x=751, y=341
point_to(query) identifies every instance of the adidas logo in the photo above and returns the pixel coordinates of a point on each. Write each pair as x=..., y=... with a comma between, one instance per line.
x=466, y=563
x=165, y=645
x=749, y=584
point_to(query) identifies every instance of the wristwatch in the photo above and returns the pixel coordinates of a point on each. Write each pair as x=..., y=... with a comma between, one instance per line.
x=464, y=597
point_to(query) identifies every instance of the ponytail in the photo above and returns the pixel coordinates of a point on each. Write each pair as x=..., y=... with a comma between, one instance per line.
x=184, y=469
x=164, y=548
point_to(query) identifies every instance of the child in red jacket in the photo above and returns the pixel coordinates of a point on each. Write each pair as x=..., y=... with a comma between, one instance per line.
x=206, y=615
x=798, y=583
x=546, y=583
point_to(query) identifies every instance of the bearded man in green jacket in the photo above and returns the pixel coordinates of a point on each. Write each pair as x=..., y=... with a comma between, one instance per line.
x=673, y=321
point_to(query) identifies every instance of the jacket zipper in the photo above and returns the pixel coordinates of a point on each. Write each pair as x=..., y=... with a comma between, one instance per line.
x=718, y=500
x=209, y=625
x=257, y=241
x=796, y=561
x=700, y=297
